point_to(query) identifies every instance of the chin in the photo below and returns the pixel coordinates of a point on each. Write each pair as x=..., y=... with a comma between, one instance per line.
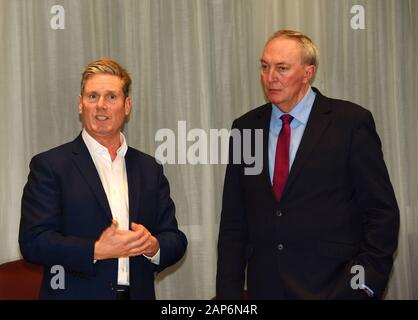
x=276, y=101
x=275, y=98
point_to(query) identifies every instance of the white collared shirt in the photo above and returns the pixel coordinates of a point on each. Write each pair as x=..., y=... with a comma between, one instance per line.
x=115, y=183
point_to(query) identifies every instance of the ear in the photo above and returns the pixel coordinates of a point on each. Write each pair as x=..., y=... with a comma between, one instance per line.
x=128, y=105
x=309, y=73
x=80, y=104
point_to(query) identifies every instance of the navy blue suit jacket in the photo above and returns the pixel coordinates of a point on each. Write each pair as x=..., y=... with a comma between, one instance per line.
x=65, y=210
x=338, y=210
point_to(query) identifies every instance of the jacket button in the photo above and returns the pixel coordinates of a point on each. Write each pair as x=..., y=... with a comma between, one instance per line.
x=279, y=213
x=280, y=247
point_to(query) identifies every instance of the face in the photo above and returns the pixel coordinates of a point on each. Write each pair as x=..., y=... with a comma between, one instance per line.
x=103, y=107
x=284, y=77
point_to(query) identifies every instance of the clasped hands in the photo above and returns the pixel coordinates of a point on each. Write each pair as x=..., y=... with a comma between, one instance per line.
x=116, y=243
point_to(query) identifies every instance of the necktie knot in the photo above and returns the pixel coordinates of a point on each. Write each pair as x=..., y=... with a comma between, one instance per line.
x=286, y=118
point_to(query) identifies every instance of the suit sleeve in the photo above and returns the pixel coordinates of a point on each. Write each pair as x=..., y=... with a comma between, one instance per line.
x=40, y=236
x=380, y=214
x=173, y=242
x=233, y=234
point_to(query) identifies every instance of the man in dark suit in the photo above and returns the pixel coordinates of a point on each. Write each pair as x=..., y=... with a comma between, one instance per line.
x=99, y=210
x=321, y=220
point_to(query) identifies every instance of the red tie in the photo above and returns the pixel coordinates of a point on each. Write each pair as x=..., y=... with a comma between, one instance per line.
x=281, y=163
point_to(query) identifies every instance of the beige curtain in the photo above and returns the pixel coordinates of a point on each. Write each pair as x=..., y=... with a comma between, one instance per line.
x=197, y=61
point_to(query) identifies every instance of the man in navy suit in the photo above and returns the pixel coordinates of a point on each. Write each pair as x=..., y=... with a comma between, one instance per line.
x=99, y=209
x=321, y=220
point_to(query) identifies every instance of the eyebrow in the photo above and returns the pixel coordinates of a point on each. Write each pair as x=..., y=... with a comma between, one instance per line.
x=106, y=92
x=276, y=64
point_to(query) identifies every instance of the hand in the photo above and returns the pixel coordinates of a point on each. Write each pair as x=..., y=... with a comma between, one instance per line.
x=148, y=244
x=115, y=243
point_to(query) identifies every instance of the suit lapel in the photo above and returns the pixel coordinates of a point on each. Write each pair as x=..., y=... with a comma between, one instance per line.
x=85, y=164
x=264, y=123
x=318, y=121
x=133, y=173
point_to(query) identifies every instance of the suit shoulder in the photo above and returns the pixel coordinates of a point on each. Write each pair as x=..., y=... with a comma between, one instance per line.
x=348, y=109
x=145, y=158
x=56, y=152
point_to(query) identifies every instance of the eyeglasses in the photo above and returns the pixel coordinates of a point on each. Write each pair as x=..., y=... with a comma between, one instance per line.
x=95, y=98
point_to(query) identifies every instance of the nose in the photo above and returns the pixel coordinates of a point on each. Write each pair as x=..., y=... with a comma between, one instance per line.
x=101, y=103
x=272, y=75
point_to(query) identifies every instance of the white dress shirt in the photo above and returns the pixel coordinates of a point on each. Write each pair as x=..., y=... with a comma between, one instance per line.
x=115, y=183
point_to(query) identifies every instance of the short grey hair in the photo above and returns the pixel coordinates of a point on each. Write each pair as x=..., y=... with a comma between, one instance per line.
x=310, y=54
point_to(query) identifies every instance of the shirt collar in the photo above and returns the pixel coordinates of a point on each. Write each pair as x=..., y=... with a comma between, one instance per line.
x=302, y=109
x=95, y=147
